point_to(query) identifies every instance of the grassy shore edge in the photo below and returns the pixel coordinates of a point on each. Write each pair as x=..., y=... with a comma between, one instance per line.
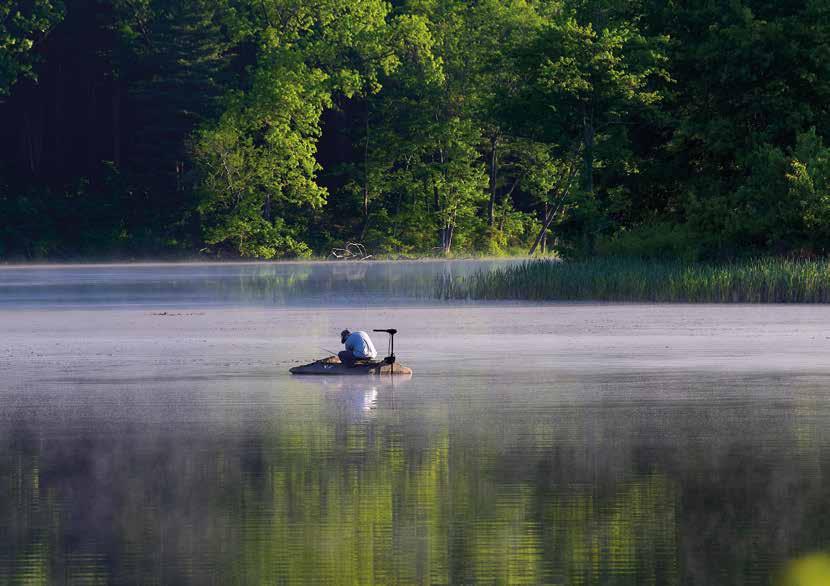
x=767, y=280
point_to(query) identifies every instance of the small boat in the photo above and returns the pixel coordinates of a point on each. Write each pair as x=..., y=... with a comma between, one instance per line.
x=333, y=366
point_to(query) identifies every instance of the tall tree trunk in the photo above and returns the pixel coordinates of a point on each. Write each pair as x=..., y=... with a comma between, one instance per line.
x=58, y=157
x=446, y=239
x=589, y=134
x=179, y=176
x=436, y=202
x=548, y=221
x=116, y=124
x=562, y=188
x=28, y=146
x=442, y=232
x=491, y=208
x=366, y=178
x=91, y=111
x=33, y=136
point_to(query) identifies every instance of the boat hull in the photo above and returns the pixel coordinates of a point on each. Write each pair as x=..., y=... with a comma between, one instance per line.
x=333, y=366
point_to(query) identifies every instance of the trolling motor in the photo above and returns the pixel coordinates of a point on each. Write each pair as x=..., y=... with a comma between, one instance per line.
x=391, y=348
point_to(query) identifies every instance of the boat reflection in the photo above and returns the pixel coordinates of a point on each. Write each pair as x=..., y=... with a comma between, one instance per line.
x=360, y=396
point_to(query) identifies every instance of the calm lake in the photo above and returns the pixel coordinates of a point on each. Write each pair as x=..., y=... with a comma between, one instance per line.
x=150, y=433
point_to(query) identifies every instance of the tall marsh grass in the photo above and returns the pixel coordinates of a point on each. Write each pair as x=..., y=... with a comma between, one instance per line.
x=614, y=279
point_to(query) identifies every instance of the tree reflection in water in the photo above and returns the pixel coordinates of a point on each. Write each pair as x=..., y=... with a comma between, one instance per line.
x=342, y=481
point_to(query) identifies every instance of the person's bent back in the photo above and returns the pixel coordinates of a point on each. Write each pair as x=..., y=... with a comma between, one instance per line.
x=358, y=347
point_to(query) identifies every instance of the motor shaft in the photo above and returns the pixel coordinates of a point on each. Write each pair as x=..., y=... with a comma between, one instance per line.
x=391, y=358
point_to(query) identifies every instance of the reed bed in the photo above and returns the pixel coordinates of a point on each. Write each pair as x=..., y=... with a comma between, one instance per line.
x=758, y=281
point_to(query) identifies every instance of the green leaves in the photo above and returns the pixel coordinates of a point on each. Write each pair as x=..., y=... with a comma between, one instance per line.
x=259, y=161
x=270, y=127
x=575, y=70
x=23, y=23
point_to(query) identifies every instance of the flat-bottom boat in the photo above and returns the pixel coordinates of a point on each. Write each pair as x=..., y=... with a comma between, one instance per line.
x=333, y=366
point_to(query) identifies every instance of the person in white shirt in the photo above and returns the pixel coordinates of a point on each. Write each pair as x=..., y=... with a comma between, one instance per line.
x=358, y=347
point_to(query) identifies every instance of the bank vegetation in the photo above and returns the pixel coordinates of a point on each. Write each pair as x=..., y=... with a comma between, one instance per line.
x=637, y=280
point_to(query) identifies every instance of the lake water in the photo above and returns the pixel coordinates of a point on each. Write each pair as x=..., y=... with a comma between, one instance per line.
x=150, y=433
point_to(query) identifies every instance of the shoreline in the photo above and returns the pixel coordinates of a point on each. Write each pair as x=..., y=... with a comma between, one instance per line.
x=238, y=262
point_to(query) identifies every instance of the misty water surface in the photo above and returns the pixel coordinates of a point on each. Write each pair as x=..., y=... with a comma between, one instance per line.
x=240, y=284
x=150, y=433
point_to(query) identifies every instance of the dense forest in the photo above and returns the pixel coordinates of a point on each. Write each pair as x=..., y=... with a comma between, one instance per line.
x=283, y=128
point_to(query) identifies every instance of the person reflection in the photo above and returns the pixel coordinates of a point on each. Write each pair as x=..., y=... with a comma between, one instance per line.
x=349, y=400
x=370, y=399
x=355, y=398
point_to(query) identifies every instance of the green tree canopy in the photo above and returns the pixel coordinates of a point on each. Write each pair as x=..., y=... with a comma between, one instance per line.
x=23, y=23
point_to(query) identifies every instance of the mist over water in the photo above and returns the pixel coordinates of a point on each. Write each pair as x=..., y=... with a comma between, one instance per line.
x=150, y=433
x=235, y=284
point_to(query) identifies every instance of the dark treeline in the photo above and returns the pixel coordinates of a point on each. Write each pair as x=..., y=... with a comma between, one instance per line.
x=270, y=128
